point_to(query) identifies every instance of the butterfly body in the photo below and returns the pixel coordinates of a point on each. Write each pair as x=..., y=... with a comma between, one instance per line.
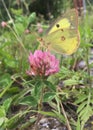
x=63, y=35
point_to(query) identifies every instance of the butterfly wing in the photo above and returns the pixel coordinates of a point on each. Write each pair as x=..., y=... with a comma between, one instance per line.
x=68, y=20
x=63, y=35
x=64, y=41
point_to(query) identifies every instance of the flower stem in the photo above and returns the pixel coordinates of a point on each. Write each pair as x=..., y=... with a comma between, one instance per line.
x=88, y=67
x=40, y=107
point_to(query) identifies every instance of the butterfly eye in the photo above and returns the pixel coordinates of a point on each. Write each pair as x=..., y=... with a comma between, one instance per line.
x=57, y=25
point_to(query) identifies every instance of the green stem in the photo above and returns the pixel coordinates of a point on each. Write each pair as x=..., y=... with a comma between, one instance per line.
x=88, y=67
x=40, y=101
x=40, y=106
x=9, y=16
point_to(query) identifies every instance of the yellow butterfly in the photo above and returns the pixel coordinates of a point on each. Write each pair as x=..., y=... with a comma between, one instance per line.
x=63, y=36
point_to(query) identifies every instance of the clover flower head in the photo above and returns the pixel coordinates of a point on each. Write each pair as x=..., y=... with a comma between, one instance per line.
x=42, y=64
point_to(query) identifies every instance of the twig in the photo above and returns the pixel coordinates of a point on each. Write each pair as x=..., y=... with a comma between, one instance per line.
x=68, y=125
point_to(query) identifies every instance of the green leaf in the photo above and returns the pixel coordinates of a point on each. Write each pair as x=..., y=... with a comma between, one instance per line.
x=13, y=90
x=32, y=18
x=53, y=114
x=6, y=89
x=16, y=11
x=20, y=28
x=7, y=104
x=78, y=125
x=2, y=119
x=18, y=97
x=47, y=113
x=5, y=79
x=29, y=100
x=2, y=111
x=37, y=89
x=87, y=112
x=65, y=72
x=50, y=85
x=48, y=96
x=81, y=106
x=30, y=122
x=11, y=63
x=12, y=122
x=81, y=98
x=70, y=82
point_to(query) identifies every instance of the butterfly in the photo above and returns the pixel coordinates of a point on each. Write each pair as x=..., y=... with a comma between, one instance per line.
x=63, y=36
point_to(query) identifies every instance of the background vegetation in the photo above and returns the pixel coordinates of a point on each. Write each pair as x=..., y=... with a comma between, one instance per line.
x=68, y=92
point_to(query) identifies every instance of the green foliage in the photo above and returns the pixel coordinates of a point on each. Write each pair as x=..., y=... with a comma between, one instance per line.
x=85, y=109
x=69, y=93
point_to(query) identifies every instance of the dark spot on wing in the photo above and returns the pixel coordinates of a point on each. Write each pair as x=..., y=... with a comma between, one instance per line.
x=62, y=30
x=57, y=25
x=63, y=38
